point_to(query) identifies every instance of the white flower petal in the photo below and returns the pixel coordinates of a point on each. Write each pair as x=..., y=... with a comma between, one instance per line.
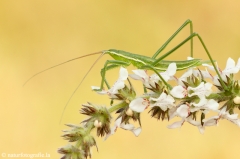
x=118, y=122
x=216, y=80
x=162, y=96
x=230, y=67
x=238, y=64
x=194, y=122
x=143, y=76
x=223, y=111
x=127, y=126
x=188, y=73
x=123, y=73
x=130, y=127
x=136, y=77
x=212, y=104
x=202, y=102
x=201, y=129
x=141, y=73
x=139, y=104
x=237, y=122
x=195, y=89
x=230, y=63
x=172, y=112
x=170, y=99
x=178, y=92
x=232, y=116
x=203, y=89
x=109, y=134
x=137, y=131
x=117, y=85
x=172, y=68
x=206, y=74
x=194, y=109
x=212, y=121
x=210, y=67
x=208, y=86
x=177, y=124
x=114, y=128
x=95, y=88
x=164, y=101
x=183, y=111
x=154, y=79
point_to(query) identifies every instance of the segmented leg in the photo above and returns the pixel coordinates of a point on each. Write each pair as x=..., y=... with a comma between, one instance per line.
x=173, y=36
x=113, y=64
x=205, y=48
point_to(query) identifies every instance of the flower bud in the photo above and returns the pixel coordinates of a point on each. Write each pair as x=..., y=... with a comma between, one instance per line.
x=97, y=124
x=129, y=112
x=236, y=100
x=100, y=124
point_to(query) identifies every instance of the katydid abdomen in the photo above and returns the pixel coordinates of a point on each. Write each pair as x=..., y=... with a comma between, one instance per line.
x=140, y=60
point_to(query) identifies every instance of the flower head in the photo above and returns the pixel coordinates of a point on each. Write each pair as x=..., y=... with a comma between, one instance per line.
x=119, y=84
x=230, y=68
x=164, y=101
x=119, y=124
x=151, y=81
x=224, y=114
x=139, y=104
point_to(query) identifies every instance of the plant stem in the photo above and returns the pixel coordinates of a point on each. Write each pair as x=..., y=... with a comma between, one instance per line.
x=117, y=106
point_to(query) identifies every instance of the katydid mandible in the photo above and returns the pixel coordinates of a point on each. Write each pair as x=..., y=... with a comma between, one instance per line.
x=123, y=58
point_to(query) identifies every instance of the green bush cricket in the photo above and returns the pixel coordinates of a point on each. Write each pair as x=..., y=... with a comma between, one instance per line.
x=154, y=63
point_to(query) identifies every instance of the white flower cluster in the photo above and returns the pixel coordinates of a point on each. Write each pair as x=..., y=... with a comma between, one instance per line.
x=191, y=99
x=193, y=96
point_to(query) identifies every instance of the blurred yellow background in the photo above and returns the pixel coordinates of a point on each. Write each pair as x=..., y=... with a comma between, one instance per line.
x=37, y=34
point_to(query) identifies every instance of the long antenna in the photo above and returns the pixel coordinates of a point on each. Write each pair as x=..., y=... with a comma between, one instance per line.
x=79, y=85
x=61, y=64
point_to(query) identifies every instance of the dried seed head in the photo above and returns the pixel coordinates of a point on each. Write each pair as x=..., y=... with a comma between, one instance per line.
x=70, y=151
x=236, y=100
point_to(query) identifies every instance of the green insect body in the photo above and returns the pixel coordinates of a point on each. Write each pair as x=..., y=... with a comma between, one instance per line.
x=139, y=60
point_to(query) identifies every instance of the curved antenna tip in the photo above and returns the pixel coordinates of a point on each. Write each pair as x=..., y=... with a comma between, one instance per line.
x=59, y=65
